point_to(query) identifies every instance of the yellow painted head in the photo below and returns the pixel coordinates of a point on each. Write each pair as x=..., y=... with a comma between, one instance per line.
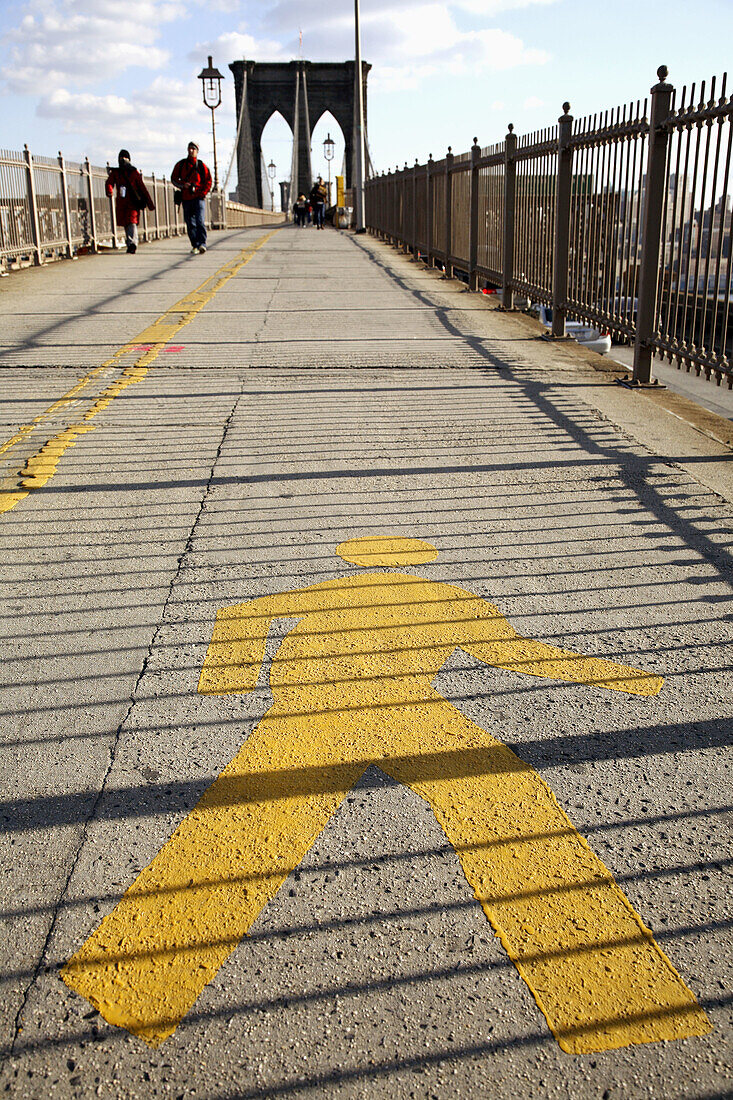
x=382, y=550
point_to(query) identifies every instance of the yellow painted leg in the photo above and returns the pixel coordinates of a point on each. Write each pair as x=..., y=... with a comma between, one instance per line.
x=591, y=964
x=186, y=912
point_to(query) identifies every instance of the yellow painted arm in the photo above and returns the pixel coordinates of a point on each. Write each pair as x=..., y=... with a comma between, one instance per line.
x=237, y=646
x=519, y=654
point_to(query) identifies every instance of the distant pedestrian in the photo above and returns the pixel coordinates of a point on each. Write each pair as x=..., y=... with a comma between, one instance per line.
x=300, y=210
x=132, y=196
x=318, y=197
x=193, y=179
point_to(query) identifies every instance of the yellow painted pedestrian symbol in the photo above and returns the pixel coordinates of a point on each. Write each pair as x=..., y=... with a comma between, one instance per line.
x=352, y=686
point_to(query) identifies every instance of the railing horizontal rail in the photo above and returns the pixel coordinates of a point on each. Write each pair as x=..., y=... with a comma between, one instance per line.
x=541, y=148
x=491, y=161
x=617, y=132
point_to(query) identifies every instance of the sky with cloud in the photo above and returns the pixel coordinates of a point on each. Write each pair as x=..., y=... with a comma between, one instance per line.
x=87, y=76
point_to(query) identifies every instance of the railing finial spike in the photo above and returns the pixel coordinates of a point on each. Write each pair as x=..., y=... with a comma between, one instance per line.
x=566, y=107
x=662, y=73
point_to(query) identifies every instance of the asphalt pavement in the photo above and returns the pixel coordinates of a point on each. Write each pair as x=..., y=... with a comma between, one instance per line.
x=347, y=843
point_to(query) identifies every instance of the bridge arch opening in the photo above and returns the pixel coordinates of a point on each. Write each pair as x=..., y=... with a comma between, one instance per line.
x=276, y=144
x=326, y=125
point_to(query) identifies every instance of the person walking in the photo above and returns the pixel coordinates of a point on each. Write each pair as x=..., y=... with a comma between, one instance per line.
x=300, y=209
x=318, y=201
x=193, y=179
x=132, y=196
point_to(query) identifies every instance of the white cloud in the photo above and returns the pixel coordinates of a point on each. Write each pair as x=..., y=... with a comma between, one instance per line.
x=494, y=7
x=219, y=5
x=467, y=54
x=155, y=123
x=407, y=43
x=286, y=14
x=532, y=103
x=60, y=42
x=399, y=78
x=236, y=44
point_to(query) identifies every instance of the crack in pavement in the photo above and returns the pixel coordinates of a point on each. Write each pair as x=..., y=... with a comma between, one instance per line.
x=120, y=728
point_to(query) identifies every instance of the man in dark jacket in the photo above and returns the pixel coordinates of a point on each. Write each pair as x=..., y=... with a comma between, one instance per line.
x=194, y=180
x=132, y=196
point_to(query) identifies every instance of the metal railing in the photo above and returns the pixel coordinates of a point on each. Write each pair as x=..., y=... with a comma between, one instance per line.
x=623, y=219
x=51, y=208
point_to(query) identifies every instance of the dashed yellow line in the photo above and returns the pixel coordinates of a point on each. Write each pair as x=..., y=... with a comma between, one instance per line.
x=67, y=398
x=41, y=466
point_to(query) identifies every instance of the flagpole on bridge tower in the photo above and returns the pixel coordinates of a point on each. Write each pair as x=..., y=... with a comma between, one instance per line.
x=358, y=128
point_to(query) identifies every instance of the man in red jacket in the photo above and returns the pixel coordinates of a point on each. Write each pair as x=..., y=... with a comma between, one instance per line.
x=132, y=196
x=194, y=180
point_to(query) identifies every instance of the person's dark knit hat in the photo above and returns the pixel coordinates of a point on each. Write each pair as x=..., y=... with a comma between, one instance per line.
x=194, y=145
x=124, y=154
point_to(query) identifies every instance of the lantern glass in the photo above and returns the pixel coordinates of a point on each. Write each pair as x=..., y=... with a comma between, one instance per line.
x=212, y=93
x=329, y=147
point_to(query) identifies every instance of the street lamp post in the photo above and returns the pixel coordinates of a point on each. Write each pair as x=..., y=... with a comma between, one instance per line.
x=358, y=127
x=211, y=80
x=329, y=149
x=271, y=170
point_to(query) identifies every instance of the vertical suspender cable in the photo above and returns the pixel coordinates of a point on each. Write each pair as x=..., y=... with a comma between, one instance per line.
x=239, y=130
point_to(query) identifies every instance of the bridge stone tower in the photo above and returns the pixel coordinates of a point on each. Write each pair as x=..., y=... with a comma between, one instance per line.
x=301, y=91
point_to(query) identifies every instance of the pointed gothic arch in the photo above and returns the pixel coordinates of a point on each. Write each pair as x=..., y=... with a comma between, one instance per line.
x=327, y=124
x=300, y=91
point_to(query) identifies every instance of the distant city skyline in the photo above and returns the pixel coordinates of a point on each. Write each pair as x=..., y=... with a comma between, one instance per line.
x=87, y=77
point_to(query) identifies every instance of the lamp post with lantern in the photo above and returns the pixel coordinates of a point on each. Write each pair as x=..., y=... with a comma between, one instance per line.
x=358, y=128
x=329, y=148
x=271, y=170
x=211, y=80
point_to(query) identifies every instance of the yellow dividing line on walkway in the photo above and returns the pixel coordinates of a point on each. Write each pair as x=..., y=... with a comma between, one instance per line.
x=67, y=398
x=41, y=466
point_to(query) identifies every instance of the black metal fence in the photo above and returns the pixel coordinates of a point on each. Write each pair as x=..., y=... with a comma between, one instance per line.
x=50, y=208
x=622, y=219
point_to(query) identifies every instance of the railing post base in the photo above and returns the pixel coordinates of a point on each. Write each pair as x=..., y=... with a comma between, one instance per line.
x=631, y=384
